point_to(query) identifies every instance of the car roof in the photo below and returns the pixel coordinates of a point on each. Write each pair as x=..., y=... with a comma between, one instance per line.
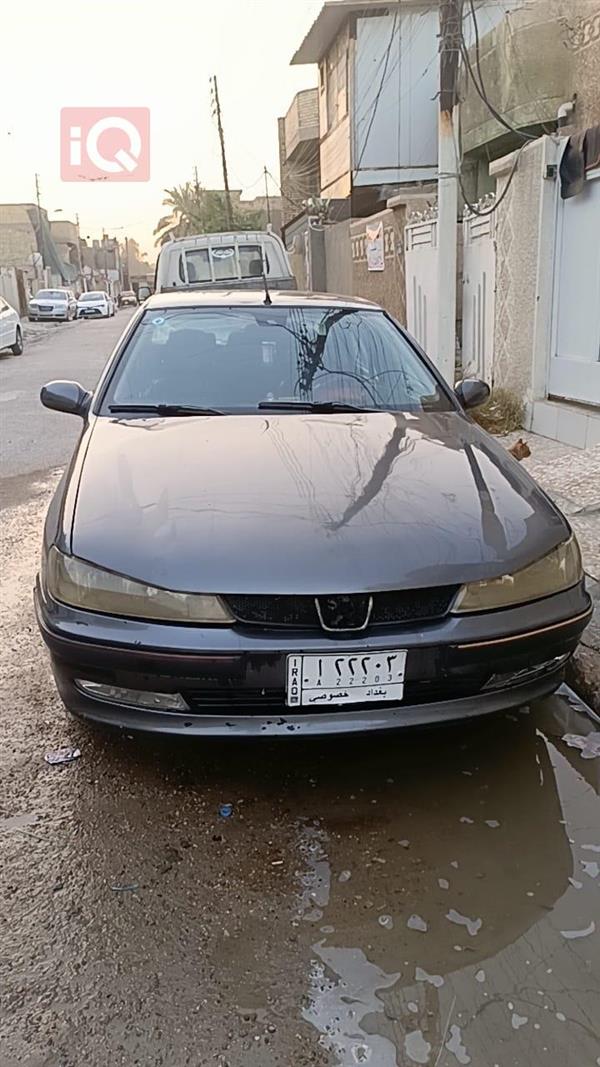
x=253, y=298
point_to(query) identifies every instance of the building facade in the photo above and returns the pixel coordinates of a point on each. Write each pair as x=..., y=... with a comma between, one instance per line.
x=545, y=329
x=300, y=174
x=377, y=109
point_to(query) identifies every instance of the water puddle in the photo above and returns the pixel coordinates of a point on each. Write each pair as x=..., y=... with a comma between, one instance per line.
x=388, y=984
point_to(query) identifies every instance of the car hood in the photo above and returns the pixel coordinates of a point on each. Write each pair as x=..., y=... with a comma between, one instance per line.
x=307, y=503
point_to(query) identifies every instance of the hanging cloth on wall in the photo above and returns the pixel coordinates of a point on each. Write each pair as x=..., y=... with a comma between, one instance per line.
x=582, y=153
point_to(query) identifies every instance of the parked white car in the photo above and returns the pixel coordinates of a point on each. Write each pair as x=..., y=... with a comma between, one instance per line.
x=95, y=305
x=52, y=304
x=11, y=334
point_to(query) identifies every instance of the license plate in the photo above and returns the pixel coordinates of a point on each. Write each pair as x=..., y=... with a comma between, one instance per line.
x=355, y=678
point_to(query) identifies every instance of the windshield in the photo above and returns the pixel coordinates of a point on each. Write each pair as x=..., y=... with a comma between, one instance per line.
x=91, y=296
x=237, y=358
x=51, y=294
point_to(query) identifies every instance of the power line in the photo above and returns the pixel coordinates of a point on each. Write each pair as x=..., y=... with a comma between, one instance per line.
x=484, y=212
x=479, y=85
x=294, y=203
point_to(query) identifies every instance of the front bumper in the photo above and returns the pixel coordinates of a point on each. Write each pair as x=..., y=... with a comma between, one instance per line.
x=92, y=313
x=57, y=314
x=233, y=679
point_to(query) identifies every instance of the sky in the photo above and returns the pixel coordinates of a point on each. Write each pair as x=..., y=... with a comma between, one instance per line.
x=154, y=54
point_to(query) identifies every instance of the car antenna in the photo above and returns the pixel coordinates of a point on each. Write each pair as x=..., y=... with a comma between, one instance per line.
x=267, y=299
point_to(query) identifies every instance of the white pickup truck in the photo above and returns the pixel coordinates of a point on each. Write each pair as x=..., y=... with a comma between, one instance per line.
x=224, y=261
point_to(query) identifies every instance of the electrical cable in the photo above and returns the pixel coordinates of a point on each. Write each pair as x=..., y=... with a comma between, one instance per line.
x=479, y=85
x=294, y=203
x=484, y=212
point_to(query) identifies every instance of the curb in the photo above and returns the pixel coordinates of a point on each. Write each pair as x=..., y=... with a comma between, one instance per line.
x=31, y=337
x=583, y=671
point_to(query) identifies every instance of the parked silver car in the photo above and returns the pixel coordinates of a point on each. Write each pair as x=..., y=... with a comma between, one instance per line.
x=11, y=334
x=52, y=304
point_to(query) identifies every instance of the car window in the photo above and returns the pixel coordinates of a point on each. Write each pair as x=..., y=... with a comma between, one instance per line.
x=198, y=266
x=234, y=358
x=223, y=263
x=52, y=294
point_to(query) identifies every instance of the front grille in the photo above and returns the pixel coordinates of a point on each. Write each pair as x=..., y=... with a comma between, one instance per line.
x=260, y=701
x=300, y=612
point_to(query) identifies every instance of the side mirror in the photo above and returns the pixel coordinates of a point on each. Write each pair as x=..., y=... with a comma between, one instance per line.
x=144, y=291
x=472, y=392
x=66, y=396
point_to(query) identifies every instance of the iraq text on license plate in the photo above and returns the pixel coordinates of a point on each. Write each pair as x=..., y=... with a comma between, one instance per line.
x=354, y=678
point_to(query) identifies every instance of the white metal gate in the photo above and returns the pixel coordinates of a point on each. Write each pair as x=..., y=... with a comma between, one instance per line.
x=420, y=255
x=478, y=301
x=574, y=371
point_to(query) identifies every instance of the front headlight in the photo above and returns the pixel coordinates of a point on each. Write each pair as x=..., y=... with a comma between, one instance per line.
x=560, y=569
x=83, y=585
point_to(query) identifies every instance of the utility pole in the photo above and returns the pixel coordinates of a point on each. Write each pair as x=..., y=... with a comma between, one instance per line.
x=126, y=271
x=79, y=259
x=448, y=164
x=42, y=236
x=267, y=197
x=217, y=113
x=105, y=247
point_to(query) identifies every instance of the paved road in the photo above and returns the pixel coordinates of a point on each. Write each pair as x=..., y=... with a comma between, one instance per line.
x=424, y=900
x=34, y=439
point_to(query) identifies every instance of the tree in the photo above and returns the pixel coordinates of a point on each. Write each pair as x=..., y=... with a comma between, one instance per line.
x=197, y=210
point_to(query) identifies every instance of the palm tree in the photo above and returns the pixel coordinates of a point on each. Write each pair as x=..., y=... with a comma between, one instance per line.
x=197, y=210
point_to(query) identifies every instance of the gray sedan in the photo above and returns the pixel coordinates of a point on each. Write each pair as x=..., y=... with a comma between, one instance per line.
x=280, y=520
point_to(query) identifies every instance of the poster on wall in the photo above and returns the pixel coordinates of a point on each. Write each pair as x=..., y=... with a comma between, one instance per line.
x=374, y=243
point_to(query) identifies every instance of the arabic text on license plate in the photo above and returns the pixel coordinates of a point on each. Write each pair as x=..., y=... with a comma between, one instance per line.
x=355, y=678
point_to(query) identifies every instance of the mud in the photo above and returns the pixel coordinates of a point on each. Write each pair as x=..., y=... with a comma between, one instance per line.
x=140, y=927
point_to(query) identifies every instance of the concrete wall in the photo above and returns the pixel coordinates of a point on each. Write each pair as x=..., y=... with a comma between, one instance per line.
x=386, y=287
x=517, y=239
x=338, y=259
x=580, y=24
x=297, y=256
x=17, y=235
x=537, y=57
x=9, y=288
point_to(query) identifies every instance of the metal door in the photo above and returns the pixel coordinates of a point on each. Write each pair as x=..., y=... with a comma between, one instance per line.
x=421, y=253
x=479, y=282
x=574, y=371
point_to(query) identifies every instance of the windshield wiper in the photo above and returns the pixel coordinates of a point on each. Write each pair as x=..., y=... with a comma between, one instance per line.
x=162, y=409
x=311, y=405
